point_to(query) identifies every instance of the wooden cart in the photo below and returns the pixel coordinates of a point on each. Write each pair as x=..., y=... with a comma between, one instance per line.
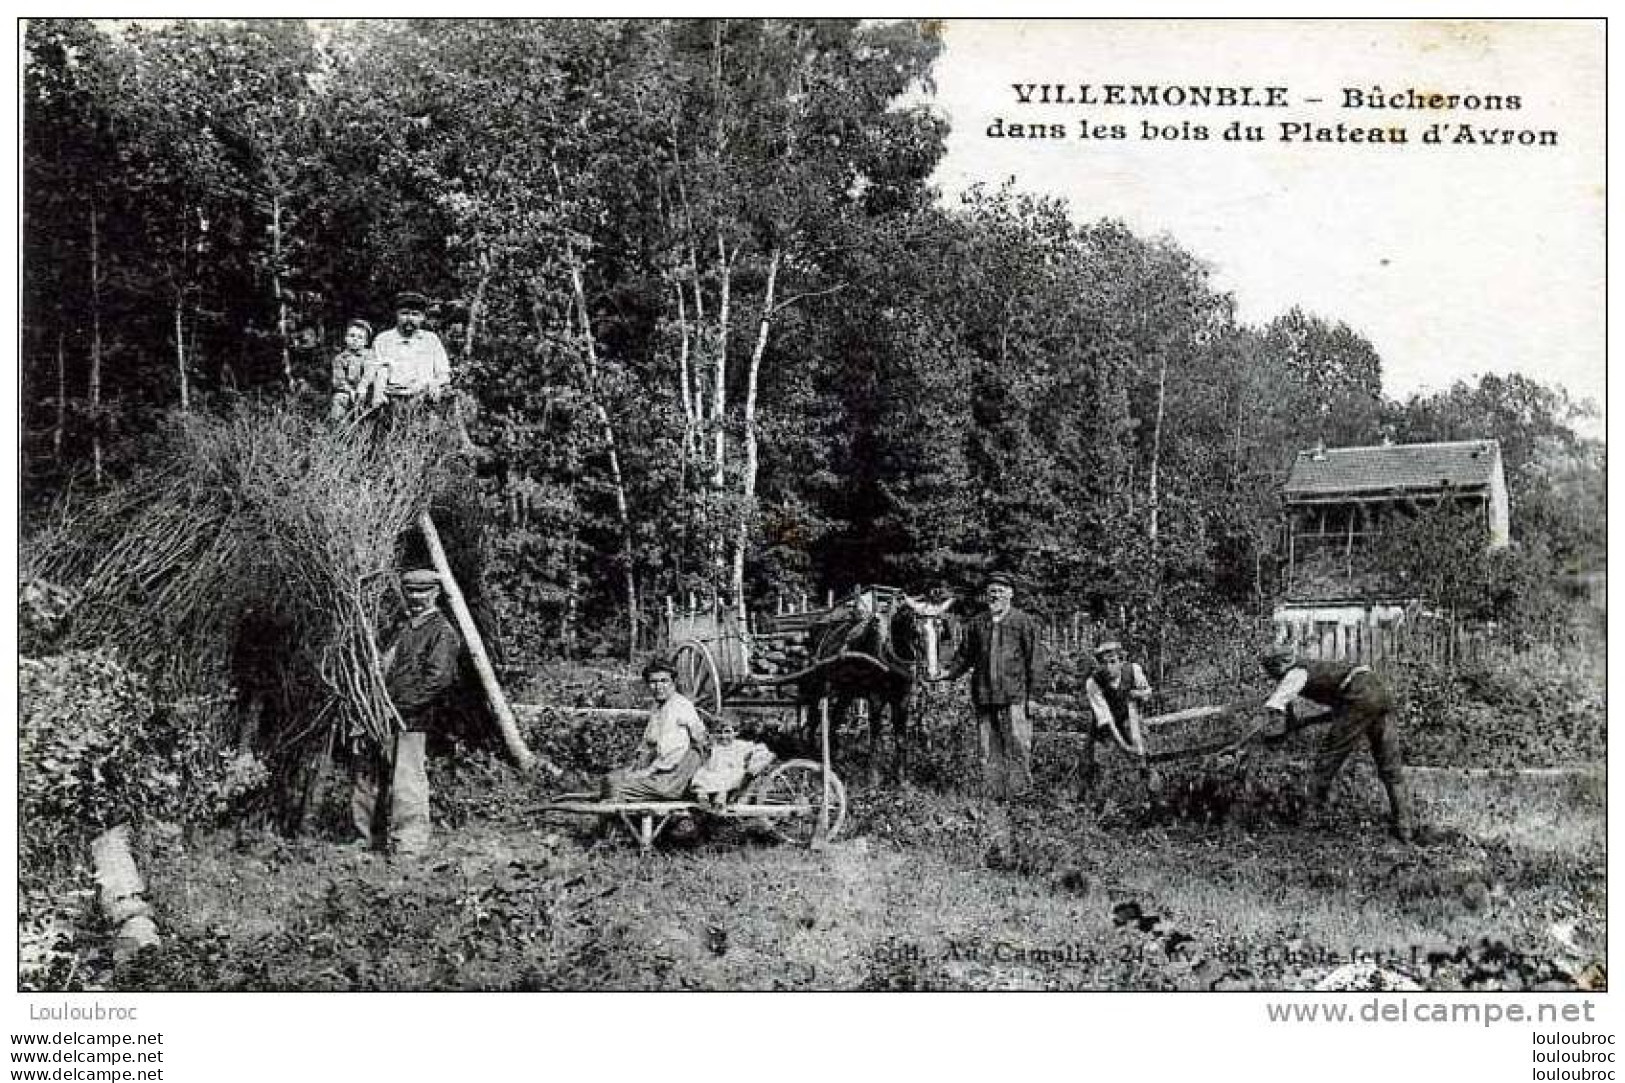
x=771, y=667
x=763, y=667
x=799, y=801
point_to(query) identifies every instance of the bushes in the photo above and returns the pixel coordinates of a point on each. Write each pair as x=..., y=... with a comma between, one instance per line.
x=1536, y=709
x=95, y=750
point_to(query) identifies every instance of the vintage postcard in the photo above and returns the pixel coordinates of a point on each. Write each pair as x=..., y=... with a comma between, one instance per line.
x=814, y=505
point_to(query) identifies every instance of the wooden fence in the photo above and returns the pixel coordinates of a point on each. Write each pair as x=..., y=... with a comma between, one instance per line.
x=1437, y=642
x=1069, y=642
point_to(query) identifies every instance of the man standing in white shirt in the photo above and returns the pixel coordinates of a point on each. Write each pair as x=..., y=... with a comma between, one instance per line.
x=412, y=359
x=674, y=745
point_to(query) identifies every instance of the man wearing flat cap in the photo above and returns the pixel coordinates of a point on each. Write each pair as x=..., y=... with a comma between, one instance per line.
x=412, y=359
x=390, y=800
x=1115, y=690
x=1361, y=712
x=1002, y=652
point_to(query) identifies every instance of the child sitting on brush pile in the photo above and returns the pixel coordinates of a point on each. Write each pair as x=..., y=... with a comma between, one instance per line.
x=730, y=763
x=358, y=377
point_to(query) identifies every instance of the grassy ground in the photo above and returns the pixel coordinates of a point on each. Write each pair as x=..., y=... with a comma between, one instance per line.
x=1214, y=883
x=928, y=891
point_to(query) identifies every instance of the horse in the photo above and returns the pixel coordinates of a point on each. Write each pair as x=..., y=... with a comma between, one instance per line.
x=872, y=650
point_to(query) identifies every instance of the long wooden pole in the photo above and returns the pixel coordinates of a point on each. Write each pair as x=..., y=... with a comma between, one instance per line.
x=823, y=741
x=517, y=749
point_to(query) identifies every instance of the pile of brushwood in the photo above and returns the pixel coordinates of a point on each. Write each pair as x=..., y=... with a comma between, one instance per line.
x=252, y=562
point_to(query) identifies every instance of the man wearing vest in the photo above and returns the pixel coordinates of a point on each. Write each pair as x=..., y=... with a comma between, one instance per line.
x=1002, y=651
x=1115, y=689
x=1361, y=710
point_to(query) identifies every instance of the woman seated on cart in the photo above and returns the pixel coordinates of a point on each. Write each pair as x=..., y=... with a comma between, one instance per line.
x=674, y=745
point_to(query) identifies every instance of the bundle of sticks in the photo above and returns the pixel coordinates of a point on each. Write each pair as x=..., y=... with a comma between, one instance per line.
x=268, y=518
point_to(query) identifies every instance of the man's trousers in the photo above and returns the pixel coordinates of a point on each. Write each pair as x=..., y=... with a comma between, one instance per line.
x=390, y=797
x=1006, y=744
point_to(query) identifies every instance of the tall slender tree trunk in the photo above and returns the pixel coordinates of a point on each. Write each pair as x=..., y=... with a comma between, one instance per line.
x=572, y=588
x=1156, y=446
x=95, y=345
x=277, y=290
x=1154, y=499
x=622, y=507
x=180, y=350
x=688, y=452
x=747, y=510
x=719, y=391
x=178, y=316
x=684, y=383
x=476, y=307
x=61, y=401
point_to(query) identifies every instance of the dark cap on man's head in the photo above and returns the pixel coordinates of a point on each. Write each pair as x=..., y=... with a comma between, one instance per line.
x=421, y=579
x=1001, y=579
x=1280, y=653
x=412, y=300
x=658, y=664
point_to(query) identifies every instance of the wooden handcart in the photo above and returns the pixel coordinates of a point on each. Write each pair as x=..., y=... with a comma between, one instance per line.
x=799, y=801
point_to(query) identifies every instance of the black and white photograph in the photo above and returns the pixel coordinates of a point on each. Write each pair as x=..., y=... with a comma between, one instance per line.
x=778, y=505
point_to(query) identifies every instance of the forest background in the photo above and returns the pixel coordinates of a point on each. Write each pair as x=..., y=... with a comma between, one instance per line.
x=718, y=334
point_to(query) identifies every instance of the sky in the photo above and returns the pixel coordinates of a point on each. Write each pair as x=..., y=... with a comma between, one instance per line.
x=1453, y=260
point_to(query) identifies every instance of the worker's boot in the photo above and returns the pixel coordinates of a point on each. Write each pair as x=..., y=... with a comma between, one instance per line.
x=1404, y=829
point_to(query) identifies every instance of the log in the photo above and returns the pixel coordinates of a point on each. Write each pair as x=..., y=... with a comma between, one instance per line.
x=1047, y=711
x=517, y=749
x=533, y=710
x=123, y=892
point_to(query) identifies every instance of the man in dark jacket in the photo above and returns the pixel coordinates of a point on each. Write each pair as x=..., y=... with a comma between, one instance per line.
x=1002, y=652
x=418, y=670
x=1361, y=711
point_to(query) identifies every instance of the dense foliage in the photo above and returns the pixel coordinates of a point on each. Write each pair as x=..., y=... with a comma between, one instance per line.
x=723, y=335
x=95, y=751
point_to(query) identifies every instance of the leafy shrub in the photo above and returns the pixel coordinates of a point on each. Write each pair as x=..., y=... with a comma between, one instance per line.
x=1535, y=709
x=95, y=750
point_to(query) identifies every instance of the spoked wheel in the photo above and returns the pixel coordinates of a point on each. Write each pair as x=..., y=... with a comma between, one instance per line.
x=799, y=783
x=697, y=679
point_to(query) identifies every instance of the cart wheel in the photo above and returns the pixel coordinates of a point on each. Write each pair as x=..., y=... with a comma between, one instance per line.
x=697, y=677
x=799, y=782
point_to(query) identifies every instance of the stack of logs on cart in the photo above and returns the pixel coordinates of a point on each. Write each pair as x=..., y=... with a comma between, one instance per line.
x=716, y=657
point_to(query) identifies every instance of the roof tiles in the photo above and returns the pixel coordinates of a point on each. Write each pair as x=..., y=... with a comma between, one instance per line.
x=1463, y=464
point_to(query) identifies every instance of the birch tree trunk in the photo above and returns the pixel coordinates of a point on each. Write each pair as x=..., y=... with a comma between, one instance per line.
x=622, y=507
x=276, y=287
x=719, y=390
x=95, y=345
x=61, y=401
x=476, y=307
x=748, y=481
x=180, y=350
x=1156, y=446
x=178, y=287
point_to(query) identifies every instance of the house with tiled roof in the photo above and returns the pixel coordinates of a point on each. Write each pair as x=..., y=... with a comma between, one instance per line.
x=1338, y=501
